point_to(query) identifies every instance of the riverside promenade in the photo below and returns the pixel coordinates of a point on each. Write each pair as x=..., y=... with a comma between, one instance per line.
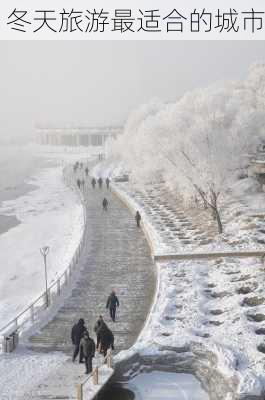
x=116, y=255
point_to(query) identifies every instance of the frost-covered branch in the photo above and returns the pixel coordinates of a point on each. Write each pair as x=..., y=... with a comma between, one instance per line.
x=197, y=144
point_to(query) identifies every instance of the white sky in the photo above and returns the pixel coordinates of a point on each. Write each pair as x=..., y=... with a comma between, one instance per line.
x=98, y=83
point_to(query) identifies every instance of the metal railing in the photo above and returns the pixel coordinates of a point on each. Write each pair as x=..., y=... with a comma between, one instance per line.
x=94, y=375
x=56, y=288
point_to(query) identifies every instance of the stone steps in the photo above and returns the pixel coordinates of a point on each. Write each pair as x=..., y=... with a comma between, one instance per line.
x=174, y=225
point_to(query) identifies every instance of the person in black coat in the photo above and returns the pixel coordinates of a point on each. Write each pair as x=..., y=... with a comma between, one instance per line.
x=105, y=204
x=93, y=182
x=100, y=181
x=112, y=303
x=98, y=325
x=106, y=339
x=138, y=218
x=107, y=183
x=76, y=335
x=87, y=346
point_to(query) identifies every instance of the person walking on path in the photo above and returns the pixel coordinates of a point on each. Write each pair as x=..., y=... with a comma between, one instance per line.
x=105, y=204
x=76, y=335
x=100, y=181
x=138, y=218
x=112, y=303
x=106, y=340
x=93, y=183
x=78, y=182
x=98, y=325
x=87, y=347
x=86, y=171
x=107, y=183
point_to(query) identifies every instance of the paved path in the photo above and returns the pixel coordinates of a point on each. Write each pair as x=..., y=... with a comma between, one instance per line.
x=116, y=255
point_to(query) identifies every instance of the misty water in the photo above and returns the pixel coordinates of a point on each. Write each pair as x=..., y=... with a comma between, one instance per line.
x=17, y=164
x=157, y=386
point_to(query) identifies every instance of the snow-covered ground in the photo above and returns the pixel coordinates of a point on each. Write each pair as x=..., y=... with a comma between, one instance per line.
x=28, y=375
x=205, y=302
x=50, y=215
x=217, y=305
x=23, y=370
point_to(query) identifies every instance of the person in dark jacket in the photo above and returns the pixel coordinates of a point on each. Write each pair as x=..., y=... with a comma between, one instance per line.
x=107, y=183
x=106, y=339
x=105, y=204
x=100, y=181
x=138, y=218
x=76, y=336
x=86, y=171
x=87, y=347
x=112, y=303
x=98, y=325
x=93, y=182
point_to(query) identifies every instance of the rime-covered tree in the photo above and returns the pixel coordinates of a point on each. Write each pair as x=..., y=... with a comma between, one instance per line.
x=198, y=144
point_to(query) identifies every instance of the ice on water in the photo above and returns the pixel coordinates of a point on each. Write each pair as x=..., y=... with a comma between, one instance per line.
x=167, y=386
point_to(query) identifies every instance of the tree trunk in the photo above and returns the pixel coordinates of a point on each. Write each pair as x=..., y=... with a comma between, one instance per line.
x=214, y=206
x=219, y=222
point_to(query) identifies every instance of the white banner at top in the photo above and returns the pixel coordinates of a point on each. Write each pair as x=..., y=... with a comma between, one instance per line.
x=132, y=20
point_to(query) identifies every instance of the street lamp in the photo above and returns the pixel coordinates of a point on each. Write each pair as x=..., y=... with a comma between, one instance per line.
x=44, y=252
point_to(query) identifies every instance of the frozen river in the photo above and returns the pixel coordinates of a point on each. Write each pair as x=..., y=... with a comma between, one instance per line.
x=158, y=386
x=36, y=210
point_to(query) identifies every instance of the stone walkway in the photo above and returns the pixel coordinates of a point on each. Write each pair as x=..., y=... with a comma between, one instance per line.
x=116, y=255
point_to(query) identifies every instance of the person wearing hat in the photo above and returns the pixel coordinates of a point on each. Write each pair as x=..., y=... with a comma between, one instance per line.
x=106, y=340
x=76, y=335
x=112, y=303
x=98, y=325
x=138, y=218
x=87, y=347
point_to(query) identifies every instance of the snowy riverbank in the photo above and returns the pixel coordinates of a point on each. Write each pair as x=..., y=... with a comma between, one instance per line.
x=50, y=215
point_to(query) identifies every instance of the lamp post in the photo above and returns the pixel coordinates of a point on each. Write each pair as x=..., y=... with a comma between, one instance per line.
x=44, y=252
